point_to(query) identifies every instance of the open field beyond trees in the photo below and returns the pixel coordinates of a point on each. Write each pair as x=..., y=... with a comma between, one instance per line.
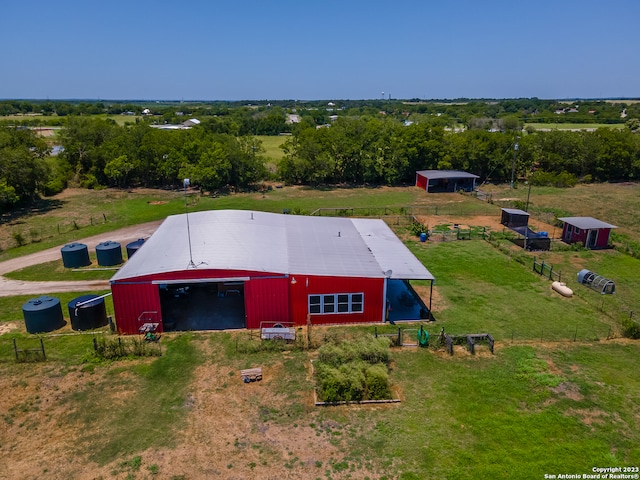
x=561, y=394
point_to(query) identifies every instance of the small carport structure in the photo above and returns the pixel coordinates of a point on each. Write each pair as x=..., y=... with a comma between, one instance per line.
x=438, y=181
x=518, y=221
x=514, y=217
x=592, y=233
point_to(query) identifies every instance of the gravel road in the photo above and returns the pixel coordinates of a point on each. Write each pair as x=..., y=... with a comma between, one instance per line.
x=10, y=287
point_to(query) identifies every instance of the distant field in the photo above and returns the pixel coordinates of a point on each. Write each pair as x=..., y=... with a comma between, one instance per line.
x=622, y=101
x=272, y=144
x=572, y=126
x=52, y=119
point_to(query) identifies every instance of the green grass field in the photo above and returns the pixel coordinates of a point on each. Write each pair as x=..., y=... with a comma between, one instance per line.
x=54, y=119
x=272, y=145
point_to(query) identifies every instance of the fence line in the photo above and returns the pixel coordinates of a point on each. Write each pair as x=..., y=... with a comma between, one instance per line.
x=542, y=268
x=404, y=210
x=35, y=234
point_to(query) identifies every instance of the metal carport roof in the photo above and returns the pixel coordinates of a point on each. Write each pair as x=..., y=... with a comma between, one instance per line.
x=436, y=174
x=586, y=223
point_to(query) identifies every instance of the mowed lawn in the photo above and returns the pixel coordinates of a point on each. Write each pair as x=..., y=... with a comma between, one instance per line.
x=486, y=291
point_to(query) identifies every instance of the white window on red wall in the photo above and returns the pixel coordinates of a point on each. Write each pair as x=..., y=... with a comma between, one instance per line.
x=327, y=304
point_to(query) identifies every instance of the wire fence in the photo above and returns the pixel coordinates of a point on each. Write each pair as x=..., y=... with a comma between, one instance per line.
x=20, y=237
x=546, y=270
x=453, y=209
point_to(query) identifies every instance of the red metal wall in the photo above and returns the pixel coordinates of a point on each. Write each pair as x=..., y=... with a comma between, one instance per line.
x=602, y=241
x=130, y=300
x=421, y=181
x=134, y=296
x=266, y=299
x=372, y=288
x=603, y=238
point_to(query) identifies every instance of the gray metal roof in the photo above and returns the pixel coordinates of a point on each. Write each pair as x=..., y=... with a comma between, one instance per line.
x=436, y=174
x=515, y=211
x=586, y=223
x=275, y=243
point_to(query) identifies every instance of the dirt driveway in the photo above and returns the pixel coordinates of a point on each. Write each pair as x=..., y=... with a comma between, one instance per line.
x=18, y=287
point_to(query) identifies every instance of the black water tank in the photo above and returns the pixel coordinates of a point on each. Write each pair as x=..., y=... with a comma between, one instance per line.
x=43, y=314
x=75, y=255
x=92, y=313
x=134, y=246
x=109, y=253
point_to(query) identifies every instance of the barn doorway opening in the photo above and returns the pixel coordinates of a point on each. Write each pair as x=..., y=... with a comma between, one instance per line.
x=208, y=305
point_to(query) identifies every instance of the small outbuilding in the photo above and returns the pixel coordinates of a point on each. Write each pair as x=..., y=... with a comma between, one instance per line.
x=513, y=217
x=592, y=233
x=518, y=221
x=439, y=181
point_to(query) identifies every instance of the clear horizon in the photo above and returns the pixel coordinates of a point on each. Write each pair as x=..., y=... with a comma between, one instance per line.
x=204, y=51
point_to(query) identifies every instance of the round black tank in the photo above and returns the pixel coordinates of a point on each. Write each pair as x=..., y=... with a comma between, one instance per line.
x=75, y=255
x=43, y=314
x=87, y=312
x=134, y=246
x=109, y=253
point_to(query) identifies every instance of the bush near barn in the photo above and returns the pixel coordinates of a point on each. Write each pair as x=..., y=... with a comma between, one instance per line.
x=354, y=371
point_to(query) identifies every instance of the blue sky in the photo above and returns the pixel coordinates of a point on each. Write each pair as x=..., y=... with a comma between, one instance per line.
x=323, y=49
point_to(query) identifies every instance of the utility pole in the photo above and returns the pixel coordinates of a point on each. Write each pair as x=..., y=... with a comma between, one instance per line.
x=513, y=165
x=186, y=183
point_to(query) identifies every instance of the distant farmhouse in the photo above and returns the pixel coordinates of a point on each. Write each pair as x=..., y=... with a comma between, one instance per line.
x=187, y=124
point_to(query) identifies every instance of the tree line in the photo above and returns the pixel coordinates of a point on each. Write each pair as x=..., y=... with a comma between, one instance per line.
x=463, y=111
x=382, y=151
x=374, y=149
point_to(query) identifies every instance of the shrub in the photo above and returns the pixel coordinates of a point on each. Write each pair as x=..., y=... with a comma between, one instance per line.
x=19, y=238
x=553, y=179
x=631, y=329
x=345, y=383
x=377, y=382
x=416, y=228
x=367, y=348
x=53, y=187
x=354, y=371
x=90, y=182
x=117, y=348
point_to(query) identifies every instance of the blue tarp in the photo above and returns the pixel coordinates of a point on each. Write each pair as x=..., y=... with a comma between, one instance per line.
x=528, y=233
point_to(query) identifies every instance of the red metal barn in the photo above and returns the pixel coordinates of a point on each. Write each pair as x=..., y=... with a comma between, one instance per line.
x=592, y=233
x=239, y=269
x=438, y=181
